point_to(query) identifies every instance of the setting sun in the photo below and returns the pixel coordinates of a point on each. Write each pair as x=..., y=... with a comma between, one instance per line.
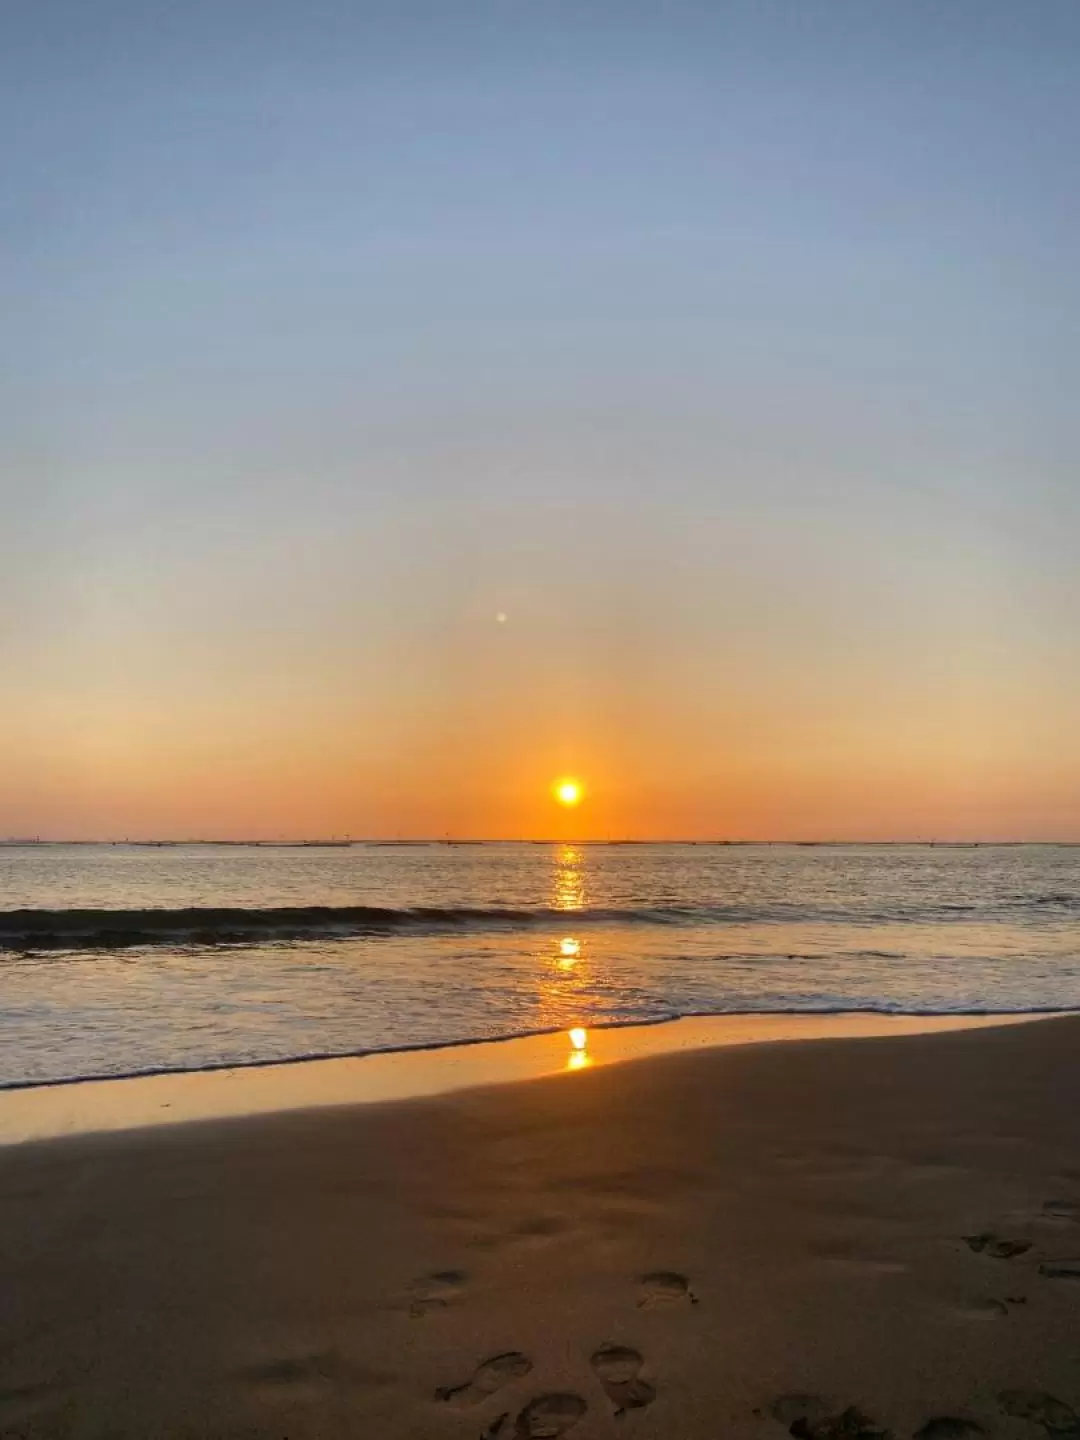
x=568, y=792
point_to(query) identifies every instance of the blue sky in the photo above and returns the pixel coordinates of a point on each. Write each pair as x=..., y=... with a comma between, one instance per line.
x=731, y=350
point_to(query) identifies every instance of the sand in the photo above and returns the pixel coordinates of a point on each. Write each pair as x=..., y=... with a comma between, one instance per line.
x=743, y=1242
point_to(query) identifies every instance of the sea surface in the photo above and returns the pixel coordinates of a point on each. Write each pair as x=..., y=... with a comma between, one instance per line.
x=118, y=959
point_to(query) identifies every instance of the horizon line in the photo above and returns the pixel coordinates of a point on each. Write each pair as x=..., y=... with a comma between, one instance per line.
x=16, y=842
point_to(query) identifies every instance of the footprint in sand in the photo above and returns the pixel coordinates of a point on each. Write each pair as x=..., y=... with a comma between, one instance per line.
x=618, y=1368
x=664, y=1287
x=548, y=1416
x=435, y=1292
x=1037, y=1405
x=1061, y=1269
x=949, y=1427
x=806, y=1419
x=997, y=1247
x=1062, y=1208
x=488, y=1378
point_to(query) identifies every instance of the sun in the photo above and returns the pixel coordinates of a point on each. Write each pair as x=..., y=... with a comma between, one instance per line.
x=568, y=792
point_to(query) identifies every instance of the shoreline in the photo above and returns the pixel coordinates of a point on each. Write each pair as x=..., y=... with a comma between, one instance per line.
x=948, y=1019
x=880, y=1234
x=50, y=1109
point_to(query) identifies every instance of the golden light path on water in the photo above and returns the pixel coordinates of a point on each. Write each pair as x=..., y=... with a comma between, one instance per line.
x=569, y=878
x=569, y=952
x=569, y=895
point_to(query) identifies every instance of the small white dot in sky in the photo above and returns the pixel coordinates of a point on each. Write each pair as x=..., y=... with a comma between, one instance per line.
x=501, y=617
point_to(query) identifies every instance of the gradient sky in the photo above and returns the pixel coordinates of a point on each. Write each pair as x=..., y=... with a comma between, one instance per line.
x=732, y=351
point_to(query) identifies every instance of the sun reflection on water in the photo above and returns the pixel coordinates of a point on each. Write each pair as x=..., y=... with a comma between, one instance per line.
x=569, y=953
x=569, y=878
x=565, y=971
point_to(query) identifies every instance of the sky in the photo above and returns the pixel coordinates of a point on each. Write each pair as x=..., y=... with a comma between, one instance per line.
x=730, y=352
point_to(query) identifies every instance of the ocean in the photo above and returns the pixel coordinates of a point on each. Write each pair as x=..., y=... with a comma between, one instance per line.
x=121, y=959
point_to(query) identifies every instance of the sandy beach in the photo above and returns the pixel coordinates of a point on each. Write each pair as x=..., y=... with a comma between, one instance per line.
x=822, y=1238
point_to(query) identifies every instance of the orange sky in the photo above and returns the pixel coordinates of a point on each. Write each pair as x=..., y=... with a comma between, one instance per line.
x=461, y=726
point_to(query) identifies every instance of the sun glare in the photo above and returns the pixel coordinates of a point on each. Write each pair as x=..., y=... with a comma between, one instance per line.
x=568, y=792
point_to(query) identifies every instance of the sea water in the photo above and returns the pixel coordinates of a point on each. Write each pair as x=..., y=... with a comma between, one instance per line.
x=118, y=959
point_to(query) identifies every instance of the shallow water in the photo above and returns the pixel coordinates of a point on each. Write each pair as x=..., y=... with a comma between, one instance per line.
x=375, y=947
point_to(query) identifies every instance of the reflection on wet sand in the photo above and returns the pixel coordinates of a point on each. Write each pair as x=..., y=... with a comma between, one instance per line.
x=579, y=1048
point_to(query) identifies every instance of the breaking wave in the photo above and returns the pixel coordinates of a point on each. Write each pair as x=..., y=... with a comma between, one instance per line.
x=84, y=929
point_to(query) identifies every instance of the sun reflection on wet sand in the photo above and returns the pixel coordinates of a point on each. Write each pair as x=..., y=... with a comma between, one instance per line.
x=579, y=1052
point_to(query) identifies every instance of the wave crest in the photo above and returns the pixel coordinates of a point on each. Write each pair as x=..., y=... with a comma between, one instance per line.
x=86, y=929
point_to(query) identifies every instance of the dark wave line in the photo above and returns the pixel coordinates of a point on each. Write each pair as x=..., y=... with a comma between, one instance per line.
x=215, y=926
x=222, y=926
x=69, y=929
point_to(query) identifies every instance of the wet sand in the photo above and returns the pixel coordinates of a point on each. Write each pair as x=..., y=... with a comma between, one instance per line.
x=828, y=1238
x=44, y=1112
